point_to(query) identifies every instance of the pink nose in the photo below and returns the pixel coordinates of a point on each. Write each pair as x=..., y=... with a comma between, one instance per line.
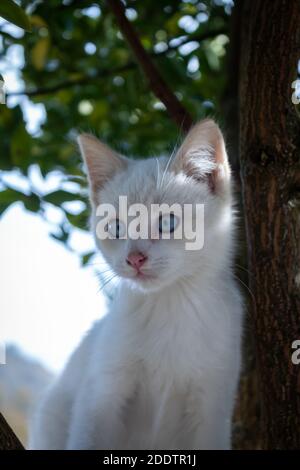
x=136, y=260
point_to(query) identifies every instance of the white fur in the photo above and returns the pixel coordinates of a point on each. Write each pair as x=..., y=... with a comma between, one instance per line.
x=160, y=371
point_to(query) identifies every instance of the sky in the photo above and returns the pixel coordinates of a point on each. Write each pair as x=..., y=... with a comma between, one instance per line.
x=47, y=300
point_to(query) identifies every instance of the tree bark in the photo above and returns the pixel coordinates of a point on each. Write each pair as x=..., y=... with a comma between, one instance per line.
x=8, y=439
x=270, y=168
x=230, y=103
x=246, y=416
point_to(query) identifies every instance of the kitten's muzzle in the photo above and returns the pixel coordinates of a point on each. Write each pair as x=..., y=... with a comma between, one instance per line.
x=136, y=260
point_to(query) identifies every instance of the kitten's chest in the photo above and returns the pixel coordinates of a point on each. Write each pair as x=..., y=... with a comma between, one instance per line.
x=156, y=416
x=178, y=339
x=176, y=346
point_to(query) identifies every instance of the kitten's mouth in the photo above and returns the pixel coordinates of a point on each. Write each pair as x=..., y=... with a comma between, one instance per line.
x=143, y=276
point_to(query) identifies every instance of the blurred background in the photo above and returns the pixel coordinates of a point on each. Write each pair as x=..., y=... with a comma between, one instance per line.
x=74, y=72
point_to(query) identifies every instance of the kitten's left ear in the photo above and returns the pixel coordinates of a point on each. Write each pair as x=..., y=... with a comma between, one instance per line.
x=102, y=163
x=203, y=156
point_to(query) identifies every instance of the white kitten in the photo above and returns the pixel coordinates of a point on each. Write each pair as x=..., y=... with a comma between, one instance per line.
x=160, y=371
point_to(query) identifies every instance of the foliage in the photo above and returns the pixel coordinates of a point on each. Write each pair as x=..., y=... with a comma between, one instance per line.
x=82, y=71
x=13, y=13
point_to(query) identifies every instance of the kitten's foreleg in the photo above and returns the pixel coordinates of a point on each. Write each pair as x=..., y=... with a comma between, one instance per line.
x=212, y=416
x=51, y=422
x=98, y=421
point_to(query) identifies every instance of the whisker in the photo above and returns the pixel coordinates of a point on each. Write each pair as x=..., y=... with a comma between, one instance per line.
x=243, y=268
x=158, y=173
x=245, y=285
x=236, y=277
x=173, y=153
x=170, y=159
x=107, y=282
x=106, y=271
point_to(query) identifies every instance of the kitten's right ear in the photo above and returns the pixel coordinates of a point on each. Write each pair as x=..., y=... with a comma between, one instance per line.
x=202, y=156
x=102, y=163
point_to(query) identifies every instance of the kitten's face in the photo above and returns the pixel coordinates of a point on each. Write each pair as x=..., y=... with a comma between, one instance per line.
x=155, y=263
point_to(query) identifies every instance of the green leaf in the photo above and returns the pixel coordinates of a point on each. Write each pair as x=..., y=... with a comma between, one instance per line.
x=79, y=220
x=32, y=203
x=20, y=147
x=8, y=197
x=62, y=237
x=11, y=12
x=39, y=53
x=86, y=257
x=57, y=198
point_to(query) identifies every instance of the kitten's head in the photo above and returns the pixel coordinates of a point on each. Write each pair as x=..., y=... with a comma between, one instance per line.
x=198, y=174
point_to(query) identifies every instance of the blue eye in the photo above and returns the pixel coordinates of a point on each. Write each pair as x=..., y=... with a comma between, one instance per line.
x=167, y=223
x=116, y=228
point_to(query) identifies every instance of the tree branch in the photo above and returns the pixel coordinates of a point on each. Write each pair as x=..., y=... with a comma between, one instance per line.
x=8, y=439
x=85, y=80
x=157, y=84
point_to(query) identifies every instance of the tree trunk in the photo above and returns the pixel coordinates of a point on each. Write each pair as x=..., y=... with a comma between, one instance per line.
x=270, y=168
x=246, y=416
x=8, y=439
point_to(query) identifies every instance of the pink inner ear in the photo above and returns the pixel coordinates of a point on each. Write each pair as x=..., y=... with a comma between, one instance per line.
x=205, y=138
x=102, y=162
x=221, y=172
